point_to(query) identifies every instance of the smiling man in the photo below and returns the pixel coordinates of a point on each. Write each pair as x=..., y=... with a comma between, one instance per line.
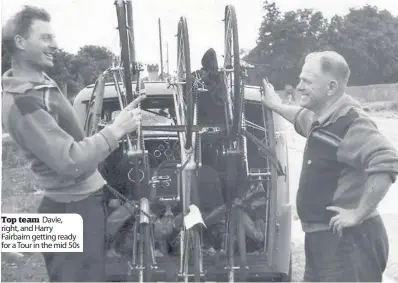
x=43, y=123
x=348, y=167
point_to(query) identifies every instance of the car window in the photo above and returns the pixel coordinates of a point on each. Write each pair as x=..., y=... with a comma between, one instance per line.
x=150, y=119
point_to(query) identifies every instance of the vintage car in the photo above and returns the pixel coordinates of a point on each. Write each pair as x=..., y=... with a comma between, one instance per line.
x=267, y=218
x=200, y=191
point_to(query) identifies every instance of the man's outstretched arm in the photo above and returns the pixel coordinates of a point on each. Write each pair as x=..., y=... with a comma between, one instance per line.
x=300, y=117
x=39, y=133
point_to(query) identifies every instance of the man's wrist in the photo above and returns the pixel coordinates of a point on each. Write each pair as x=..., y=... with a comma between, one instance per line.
x=360, y=215
x=117, y=131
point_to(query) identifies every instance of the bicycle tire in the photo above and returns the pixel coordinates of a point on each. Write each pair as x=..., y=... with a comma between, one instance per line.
x=231, y=30
x=187, y=92
x=125, y=49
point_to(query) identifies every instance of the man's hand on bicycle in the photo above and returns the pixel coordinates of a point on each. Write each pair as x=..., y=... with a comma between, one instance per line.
x=129, y=119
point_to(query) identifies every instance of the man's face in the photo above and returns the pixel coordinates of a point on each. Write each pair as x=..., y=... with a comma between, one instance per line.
x=313, y=85
x=39, y=45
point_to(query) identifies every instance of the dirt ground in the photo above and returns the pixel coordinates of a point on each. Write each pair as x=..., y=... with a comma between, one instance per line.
x=18, y=196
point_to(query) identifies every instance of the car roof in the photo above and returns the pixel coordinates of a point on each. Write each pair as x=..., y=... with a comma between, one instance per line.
x=156, y=89
x=152, y=88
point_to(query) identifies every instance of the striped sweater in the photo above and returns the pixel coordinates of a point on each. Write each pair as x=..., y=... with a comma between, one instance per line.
x=44, y=125
x=344, y=147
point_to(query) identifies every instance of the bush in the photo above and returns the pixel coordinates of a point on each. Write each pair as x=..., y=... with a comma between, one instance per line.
x=382, y=106
x=12, y=155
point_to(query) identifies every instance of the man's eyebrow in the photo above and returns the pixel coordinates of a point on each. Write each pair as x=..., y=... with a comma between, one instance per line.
x=304, y=79
x=48, y=35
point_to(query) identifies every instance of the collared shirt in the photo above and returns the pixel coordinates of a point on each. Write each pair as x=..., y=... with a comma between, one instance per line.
x=305, y=118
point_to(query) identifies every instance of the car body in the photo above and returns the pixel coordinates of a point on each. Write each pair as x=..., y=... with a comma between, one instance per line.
x=275, y=261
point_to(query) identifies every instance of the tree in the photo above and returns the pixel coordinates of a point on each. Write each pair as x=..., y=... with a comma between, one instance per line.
x=283, y=42
x=368, y=39
x=73, y=72
x=63, y=73
x=90, y=62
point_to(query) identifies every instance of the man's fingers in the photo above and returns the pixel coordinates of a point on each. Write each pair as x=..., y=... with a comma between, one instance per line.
x=137, y=118
x=333, y=221
x=134, y=104
x=137, y=101
x=334, y=208
x=340, y=230
x=336, y=227
x=136, y=111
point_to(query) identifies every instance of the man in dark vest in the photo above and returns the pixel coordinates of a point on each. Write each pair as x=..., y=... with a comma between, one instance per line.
x=43, y=123
x=348, y=167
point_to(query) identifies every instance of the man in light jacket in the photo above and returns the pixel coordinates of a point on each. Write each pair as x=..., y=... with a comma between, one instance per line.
x=43, y=123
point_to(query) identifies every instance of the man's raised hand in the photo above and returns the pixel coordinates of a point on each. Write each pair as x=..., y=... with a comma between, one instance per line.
x=129, y=119
x=270, y=98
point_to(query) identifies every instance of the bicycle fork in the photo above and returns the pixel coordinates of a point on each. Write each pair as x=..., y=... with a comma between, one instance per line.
x=190, y=237
x=146, y=253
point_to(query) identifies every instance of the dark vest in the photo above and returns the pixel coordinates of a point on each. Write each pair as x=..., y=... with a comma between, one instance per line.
x=321, y=169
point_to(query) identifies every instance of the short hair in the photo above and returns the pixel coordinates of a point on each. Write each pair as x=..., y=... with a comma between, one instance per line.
x=20, y=24
x=332, y=63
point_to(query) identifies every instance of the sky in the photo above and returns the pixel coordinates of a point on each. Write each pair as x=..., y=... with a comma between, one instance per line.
x=82, y=22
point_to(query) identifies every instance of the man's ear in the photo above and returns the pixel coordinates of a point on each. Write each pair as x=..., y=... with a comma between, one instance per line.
x=19, y=42
x=332, y=88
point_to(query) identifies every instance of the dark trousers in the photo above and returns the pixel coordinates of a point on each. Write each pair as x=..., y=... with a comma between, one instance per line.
x=88, y=265
x=360, y=255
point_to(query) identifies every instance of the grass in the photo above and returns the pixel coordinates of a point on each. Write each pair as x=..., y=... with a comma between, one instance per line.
x=381, y=106
x=374, y=93
x=11, y=155
x=18, y=196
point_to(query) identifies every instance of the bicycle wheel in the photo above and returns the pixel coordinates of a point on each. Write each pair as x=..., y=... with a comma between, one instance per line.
x=185, y=81
x=125, y=44
x=232, y=65
x=94, y=114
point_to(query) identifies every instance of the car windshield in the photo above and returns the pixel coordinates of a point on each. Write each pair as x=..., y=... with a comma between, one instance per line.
x=152, y=117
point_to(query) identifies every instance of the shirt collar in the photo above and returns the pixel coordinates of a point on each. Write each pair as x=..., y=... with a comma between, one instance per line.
x=19, y=85
x=339, y=108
